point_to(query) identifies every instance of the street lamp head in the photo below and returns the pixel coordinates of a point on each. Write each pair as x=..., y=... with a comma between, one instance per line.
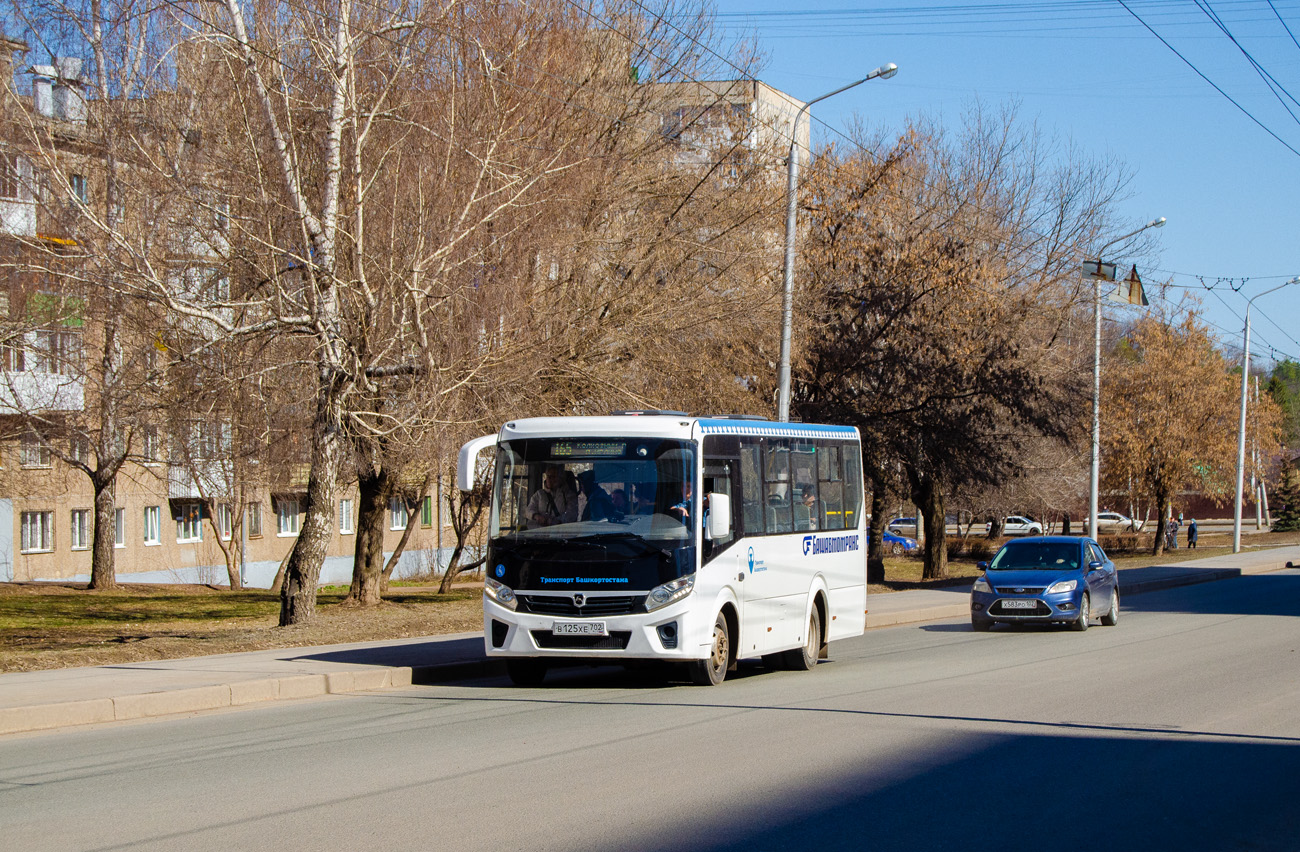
x=1157, y=223
x=1295, y=280
x=884, y=72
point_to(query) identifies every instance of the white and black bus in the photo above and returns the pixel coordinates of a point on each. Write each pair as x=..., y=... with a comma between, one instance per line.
x=662, y=536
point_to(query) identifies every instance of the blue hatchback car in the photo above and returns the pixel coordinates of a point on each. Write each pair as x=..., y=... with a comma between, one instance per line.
x=896, y=544
x=1046, y=579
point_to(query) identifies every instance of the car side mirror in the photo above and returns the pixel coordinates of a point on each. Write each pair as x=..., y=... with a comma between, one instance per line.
x=983, y=566
x=719, y=515
x=1094, y=566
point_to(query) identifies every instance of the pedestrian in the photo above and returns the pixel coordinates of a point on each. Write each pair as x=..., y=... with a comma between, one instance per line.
x=1171, y=534
x=1191, y=534
x=1065, y=524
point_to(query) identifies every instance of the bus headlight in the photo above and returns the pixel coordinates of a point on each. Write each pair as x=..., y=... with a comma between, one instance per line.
x=501, y=593
x=661, y=596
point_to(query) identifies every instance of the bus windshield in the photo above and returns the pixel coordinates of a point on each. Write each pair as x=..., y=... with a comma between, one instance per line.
x=571, y=513
x=550, y=488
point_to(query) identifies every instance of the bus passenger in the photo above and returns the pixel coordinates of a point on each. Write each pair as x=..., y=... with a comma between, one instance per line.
x=595, y=503
x=682, y=508
x=809, y=505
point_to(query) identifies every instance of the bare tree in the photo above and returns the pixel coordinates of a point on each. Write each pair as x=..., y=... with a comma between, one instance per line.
x=942, y=275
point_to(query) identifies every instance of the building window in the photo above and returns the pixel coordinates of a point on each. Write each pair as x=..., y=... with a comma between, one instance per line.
x=152, y=525
x=426, y=512
x=189, y=522
x=286, y=513
x=209, y=440
x=150, y=446
x=345, y=517
x=79, y=449
x=254, y=520
x=33, y=452
x=55, y=351
x=78, y=185
x=80, y=527
x=119, y=527
x=38, y=532
x=397, y=513
x=11, y=183
x=226, y=521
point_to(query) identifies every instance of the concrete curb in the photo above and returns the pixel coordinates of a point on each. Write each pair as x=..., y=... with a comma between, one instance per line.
x=41, y=717
x=249, y=691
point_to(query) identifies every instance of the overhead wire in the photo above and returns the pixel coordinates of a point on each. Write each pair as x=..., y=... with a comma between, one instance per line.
x=1202, y=75
x=1269, y=80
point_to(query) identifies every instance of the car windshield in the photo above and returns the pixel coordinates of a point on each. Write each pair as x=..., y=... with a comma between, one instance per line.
x=1031, y=555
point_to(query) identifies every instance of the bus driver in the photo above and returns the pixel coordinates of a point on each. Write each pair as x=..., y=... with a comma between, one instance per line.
x=552, y=503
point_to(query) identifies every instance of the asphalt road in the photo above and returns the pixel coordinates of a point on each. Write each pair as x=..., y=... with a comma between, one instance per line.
x=1177, y=729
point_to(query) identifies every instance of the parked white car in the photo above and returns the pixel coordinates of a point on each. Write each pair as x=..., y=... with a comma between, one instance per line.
x=1018, y=525
x=1109, y=523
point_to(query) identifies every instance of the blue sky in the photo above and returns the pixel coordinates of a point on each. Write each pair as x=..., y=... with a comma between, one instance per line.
x=1091, y=73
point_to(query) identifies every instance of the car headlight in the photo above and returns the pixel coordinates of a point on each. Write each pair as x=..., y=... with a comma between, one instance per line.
x=501, y=593
x=982, y=585
x=675, y=590
x=1062, y=586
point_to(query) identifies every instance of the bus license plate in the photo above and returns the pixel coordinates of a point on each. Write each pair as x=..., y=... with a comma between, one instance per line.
x=579, y=628
x=1019, y=604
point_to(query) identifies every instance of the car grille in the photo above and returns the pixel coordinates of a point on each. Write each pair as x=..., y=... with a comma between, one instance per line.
x=593, y=606
x=1040, y=608
x=1019, y=590
x=616, y=641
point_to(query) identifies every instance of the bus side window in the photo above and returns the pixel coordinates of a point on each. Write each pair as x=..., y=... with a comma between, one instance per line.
x=751, y=488
x=776, y=476
x=852, y=485
x=831, y=485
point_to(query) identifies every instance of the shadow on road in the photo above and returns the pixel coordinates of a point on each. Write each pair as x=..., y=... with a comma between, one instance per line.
x=1259, y=594
x=1020, y=792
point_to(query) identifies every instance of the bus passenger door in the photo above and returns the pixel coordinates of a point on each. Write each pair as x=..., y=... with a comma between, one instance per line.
x=765, y=508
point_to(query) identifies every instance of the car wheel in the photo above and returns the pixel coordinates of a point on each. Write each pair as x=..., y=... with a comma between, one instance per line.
x=1035, y=530
x=1085, y=615
x=1111, y=618
x=896, y=548
x=526, y=672
x=981, y=625
x=713, y=670
x=805, y=659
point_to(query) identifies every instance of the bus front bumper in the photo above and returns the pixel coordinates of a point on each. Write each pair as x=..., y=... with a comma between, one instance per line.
x=665, y=634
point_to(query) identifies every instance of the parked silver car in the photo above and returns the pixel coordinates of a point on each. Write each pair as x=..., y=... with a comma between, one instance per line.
x=1110, y=523
x=905, y=527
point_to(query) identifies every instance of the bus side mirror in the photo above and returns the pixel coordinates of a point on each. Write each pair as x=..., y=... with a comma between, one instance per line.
x=719, y=515
x=467, y=462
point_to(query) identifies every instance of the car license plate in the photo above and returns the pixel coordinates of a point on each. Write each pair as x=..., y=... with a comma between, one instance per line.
x=1012, y=603
x=579, y=628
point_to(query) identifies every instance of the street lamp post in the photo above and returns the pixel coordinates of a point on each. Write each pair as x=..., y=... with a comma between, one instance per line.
x=1094, y=478
x=884, y=72
x=1241, y=423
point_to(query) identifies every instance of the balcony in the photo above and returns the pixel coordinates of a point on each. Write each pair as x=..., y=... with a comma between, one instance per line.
x=34, y=392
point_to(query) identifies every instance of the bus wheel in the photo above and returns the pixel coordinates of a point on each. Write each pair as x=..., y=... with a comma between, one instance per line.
x=525, y=671
x=805, y=658
x=713, y=670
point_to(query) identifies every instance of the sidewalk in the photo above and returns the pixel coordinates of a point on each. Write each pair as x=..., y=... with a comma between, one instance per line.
x=33, y=701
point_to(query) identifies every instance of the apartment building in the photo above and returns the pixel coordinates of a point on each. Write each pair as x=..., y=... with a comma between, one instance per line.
x=186, y=509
